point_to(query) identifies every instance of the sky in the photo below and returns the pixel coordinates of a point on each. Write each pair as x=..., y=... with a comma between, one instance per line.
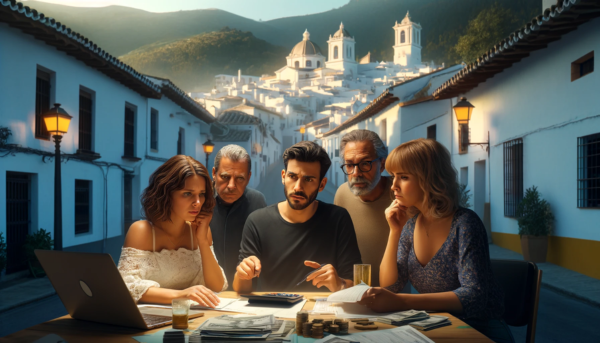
x=253, y=9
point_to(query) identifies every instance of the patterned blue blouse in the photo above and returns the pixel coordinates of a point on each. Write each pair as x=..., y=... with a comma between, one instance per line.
x=461, y=265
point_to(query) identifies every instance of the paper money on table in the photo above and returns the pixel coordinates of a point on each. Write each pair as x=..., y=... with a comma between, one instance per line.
x=432, y=322
x=402, y=318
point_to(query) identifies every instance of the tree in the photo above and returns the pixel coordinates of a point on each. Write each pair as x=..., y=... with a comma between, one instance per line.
x=489, y=27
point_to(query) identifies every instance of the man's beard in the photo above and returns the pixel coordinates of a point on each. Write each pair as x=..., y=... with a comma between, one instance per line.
x=370, y=185
x=294, y=206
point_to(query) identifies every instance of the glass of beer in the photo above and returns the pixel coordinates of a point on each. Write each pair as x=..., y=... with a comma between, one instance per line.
x=181, y=311
x=362, y=273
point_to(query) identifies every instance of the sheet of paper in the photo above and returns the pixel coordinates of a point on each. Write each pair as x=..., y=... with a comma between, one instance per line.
x=349, y=295
x=221, y=307
x=322, y=306
x=278, y=310
x=403, y=334
x=345, y=310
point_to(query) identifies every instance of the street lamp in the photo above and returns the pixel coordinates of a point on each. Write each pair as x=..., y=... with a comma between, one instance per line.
x=463, y=111
x=302, y=130
x=57, y=123
x=208, y=149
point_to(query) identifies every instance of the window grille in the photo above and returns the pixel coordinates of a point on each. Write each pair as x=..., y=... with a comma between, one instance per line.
x=513, y=176
x=308, y=63
x=85, y=121
x=82, y=206
x=588, y=171
x=18, y=219
x=154, y=129
x=463, y=138
x=42, y=103
x=129, y=132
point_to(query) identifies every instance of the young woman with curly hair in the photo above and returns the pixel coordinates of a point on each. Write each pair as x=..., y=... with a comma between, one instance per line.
x=441, y=248
x=170, y=255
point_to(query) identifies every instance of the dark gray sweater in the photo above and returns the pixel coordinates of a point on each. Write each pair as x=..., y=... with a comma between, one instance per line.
x=227, y=225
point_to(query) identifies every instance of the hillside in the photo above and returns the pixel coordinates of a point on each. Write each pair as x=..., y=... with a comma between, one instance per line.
x=119, y=29
x=191, y=63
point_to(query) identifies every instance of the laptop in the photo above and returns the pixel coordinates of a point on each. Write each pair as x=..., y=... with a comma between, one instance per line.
x=91, y=288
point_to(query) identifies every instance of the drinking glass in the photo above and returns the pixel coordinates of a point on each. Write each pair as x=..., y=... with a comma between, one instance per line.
x=362, y=273
x=181, y=311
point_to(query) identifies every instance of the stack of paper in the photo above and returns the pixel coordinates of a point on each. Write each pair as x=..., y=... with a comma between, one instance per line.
x=404, y=334
x=402, y=318
x=430, y=323
x=239, y=327
x=349, y=295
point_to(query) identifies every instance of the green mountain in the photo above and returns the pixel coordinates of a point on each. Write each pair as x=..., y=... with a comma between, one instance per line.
x=191, y=63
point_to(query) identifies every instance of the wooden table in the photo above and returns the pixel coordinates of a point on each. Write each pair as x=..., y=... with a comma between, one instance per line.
x=74, y=331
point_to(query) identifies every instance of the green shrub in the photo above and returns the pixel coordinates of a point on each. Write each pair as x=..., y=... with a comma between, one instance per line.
x=2, y=253
x=534, y=215
x=39, y=240
x=464, y=196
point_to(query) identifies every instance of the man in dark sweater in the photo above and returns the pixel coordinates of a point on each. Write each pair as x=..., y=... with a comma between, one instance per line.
x=283, y=242
x=235, y=202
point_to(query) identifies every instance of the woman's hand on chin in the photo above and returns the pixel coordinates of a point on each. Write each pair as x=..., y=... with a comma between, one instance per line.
x=201, y=226
x=382, y=300
x=201, y=295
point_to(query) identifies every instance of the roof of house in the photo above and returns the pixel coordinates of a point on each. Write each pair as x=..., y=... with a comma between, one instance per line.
x=234, y=136
x=233, y=117
x=53, y=33
x=318, y=122
x=182, y=99
x=550, y=26
x=381, y=102
x=275, y=139
x=256, y=106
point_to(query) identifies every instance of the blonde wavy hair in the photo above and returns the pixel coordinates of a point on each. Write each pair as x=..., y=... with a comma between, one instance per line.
x=430, y=162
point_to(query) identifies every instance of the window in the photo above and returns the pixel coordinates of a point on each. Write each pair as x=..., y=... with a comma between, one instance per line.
x=18, y=219
x=181, y=141
x=464, y=176
x=153, y=129
x=42, y=103
x=432, y=132
x=308, y=63
x=129, y=132
x=402, y=37
x=582, y=66
x=85, y=121
x=335, y=52
x=513, y=176
x=83, y=190
x=463, y=138
x=383, y=131
x=336, y=146
x=297, y=64
x=127, y=201
x=588, y=171
x=318, y=64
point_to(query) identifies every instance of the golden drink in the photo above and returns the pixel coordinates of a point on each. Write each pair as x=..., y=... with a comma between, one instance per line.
x=180, y=321
x=362, y=273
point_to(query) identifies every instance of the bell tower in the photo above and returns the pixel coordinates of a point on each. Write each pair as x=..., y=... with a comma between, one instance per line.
x=407, y=45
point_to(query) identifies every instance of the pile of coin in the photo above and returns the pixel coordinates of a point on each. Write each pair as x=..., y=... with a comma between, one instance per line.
x=318, y=321
x=343, y=327
x=301, y=318
x=327, y=324
x=317, y=330
x=307, y=329
x=334, y=329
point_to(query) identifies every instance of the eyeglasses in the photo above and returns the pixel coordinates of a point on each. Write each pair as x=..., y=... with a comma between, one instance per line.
x=364, y=166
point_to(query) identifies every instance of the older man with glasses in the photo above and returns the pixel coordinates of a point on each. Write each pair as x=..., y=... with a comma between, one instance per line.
x=366, y=195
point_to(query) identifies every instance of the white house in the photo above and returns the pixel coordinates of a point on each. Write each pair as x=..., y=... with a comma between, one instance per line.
x=124, y=126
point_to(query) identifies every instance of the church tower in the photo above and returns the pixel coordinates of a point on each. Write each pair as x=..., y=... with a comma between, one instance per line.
x=407, y=47
x=341, y=52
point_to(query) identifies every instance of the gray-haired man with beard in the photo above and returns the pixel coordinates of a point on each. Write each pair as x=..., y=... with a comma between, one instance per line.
x=366, y=195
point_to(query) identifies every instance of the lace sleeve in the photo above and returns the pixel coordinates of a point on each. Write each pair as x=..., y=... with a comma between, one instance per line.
x=134, y=265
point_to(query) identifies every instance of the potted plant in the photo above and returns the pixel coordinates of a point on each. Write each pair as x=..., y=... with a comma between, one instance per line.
x=464, y=196
x=535, y=220
x=39, y=240
x=2, y=255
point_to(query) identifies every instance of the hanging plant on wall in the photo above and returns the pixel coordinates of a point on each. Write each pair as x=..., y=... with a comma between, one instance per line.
x=4, y=134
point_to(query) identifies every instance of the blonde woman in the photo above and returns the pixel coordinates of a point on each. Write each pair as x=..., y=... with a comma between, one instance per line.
x=170, y=255
x=441, y=248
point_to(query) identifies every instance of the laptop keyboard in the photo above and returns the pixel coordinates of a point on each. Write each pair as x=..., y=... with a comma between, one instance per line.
x=153, y=320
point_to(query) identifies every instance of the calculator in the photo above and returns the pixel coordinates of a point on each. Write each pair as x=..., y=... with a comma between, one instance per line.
x=280, y=298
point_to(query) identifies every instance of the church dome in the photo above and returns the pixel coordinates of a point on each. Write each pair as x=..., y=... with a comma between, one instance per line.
x=306, y=47
x=342, y=32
